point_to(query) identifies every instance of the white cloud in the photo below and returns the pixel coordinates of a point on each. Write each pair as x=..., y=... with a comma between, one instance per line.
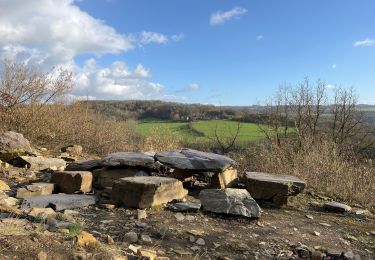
x=117, y=82
x=364, y=43
x=52, y=33
x=177, y=37
x=221, y=17
x=334, y=66
x=259, y=37
x=189, y=88
x=331, y=86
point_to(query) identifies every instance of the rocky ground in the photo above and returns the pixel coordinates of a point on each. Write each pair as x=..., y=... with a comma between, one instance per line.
x=293, y=223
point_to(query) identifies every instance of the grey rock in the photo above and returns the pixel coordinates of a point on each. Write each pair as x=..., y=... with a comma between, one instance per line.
x=193, y=160
x=184, y=206
x=13, y=144
x=179, y=216
x=106, y=176
x=230, y=201
x=39, y=163
x=121, y=159
x=200, y=241
x=88, y=165
x=131, y=237
x=58, y=201
x=337, y=207
x=273, y=187
x=72, y=150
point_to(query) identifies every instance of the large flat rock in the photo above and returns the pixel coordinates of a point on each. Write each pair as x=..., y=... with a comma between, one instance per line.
x=58, y=201
x=73, y=181
x=230, y=201
x=273, y=187
x=39, y=163
x=193, y=160
x=145, y=192
x=35, y=189
x=87, y=165
x=106, y=176
x=128, y=159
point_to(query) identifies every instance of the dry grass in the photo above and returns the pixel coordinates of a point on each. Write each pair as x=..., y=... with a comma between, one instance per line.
x=341, y=176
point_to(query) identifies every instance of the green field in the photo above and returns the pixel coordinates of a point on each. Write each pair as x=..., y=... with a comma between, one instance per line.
x=204, y=130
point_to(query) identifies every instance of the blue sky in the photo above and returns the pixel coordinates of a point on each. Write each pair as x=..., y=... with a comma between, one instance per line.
x=221, y=52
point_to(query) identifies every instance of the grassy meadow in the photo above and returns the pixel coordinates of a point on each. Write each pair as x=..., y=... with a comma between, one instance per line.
x=203, y=130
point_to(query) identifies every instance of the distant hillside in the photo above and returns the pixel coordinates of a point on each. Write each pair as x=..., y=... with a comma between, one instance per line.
x=159, y=110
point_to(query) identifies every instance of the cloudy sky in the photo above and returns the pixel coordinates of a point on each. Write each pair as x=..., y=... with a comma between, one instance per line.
x=229, y=52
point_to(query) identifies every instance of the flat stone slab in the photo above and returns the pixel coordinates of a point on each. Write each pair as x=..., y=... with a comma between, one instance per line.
x=230, y=201
x=184, y=206
x=73, y=181
x=58, y=201
x=273, y=187
x=128, y=159
x=39, y=163
x=35, y=189
x=88, y=165
x=189, y=159
x=145, y=192
x=337, y=207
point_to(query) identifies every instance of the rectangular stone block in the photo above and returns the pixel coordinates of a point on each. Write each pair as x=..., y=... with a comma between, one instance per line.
x=35, y=189
x=73, y=181
x=145, y=192
x=225, y=179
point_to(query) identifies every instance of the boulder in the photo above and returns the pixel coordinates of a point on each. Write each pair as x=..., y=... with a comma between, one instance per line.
x=4, y=186
x=85, y=239
x=8, y=202
x=145, y=192
x=273, y=187
x=73, y=181
x=35, y=189
x=193, y=160
x=230, y=201
x=88, y=165
x=13, y=144
x=42, y=212
x=75, y=150
x=106, y=176
x=128, y=159
x=39, y=163
x=58, y=201
x=337, y=207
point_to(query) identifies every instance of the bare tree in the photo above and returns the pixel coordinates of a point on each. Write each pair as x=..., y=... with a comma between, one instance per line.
x=227, y=141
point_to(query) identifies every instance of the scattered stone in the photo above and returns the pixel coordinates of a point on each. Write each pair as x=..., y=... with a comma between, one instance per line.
x=128, y=159
x=145, y=192
x=192, y=239
x=42, y=255
x=230, y=201
x=337, y=207
x=273, y=187
x=131, y=237
x=146, y=238
x=4, y=165
x=141, y=214
x=200, y=241
x=42, y=212
x=316, y=233
x=147, y=254
x=195, y=248
x=325, y=224
x=39, y=163
x=141, y=224
x=372, y=232
x=134, y=248
x=73, y=181
x=179, y=217
x=88, y=165
x=309, y=216
x=75, y=150
x=9, y=202
x=85, y=239
x=184, y=206
x=35, y=189
x=13, y=144
x=262, y=243
x=188, y=159
x=58, y=201
x=4, y=186
x=110, y=240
